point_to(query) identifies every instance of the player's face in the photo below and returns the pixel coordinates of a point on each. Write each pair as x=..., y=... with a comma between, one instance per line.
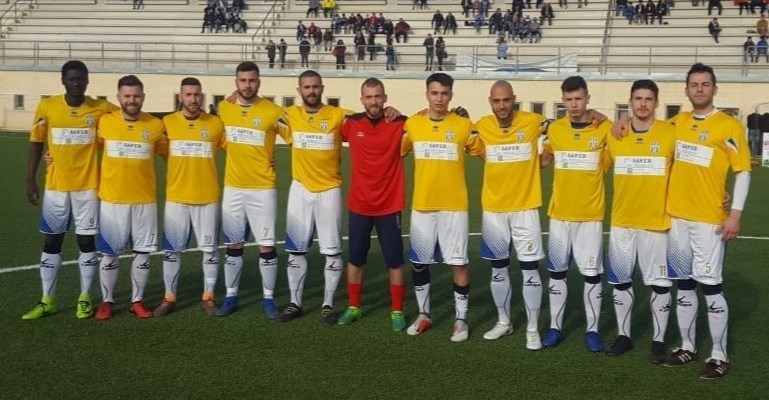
x=311, y=90
x=438, y=97
x=131, y=99
x=502, y=100
x=643, y=103
x=75, y=82
x=373, y=99
x=576, y=103
x=247, y=84
x=191, y=96
x=700, y=90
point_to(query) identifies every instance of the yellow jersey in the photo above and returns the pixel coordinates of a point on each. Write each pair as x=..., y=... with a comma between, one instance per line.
x=641, y=164
x=439, y=149
x=511, y=177
x=578, y=188
x=316, y=150
x=70, y=133
x=250, y=132
x=128, y=157
x=705, y=151
x=192, y=145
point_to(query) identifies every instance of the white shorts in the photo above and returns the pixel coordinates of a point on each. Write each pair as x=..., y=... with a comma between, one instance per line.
x=124, y=224
x=695, y=250
x=61, y=207
x=650, y=247
x=180, y=218
x=438, y=236
x=245, y=211
x=520, y=227
x=582, y=241
x=308, y=212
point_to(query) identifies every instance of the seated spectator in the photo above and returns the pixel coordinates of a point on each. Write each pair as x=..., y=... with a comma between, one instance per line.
x=313, y=7
x=402, y=30
x=762, y=49
x=388, y=29
x=138, y=4
x=662, y=10
x=450, y=24
x=743, y=4
x=749, y=50
x=209, y=20
x=620, y=9
x=546, y=14
x=300, y=31
x=714, y=28
x=328, y=7
x=328, y=40
x=535, y=31
x=238, y=6
x=478, y=23
x=467, y=5
x=762, y=26
x=630, y=12
x=495, y=22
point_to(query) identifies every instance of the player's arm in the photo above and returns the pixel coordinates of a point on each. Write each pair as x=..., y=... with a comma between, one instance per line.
x=161, y=146
x=741, y=188
x=546, y=157
x=406, y=144
x=621, y=128
x=33, y=161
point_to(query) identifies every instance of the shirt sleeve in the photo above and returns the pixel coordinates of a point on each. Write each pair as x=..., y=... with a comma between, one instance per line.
x=39, y=131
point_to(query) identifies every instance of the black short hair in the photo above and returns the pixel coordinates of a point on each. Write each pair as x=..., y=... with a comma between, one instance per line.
x=372, y=82
x=573, y=83
x=645, y=84
x=701, y=68
x=442, y=78
x=246, y=66
x=130, y=80
x=190, y=81
x=310, y=74
x=73, y=65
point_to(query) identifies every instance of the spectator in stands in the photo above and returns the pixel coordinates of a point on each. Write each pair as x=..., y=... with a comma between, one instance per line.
x=743, y=4
x=402, y=30
x=360, y=45
x=485, y=5
x=390, y=54
x=495, y=22
x=749, y=50
x=535, y=31
x=317, y=37
x=282, y=49
x=757, y=3
x=328, y=7
x=337, y=23
x=546, y=14
x=339, y=52
x=762, y=49
x=715, y=4
x=221, y=20
x=450, y=24
x=762, y=26
x=440, y=52
x=714, y=28
x=650, y=12
x=388, y=29
x=630, y=12
x=240, y=24
x=301, y=30
x=304, y=52
x=349, y=27
x=328, y=40
x=662, y=10
x=312, y=29
x=437, y=21
x=476, y=7
x=371, y=45
x=313, y=7
x=423, y=5
x=478, y=22
x=414, y=5
x=579, y=3
x=467, y=5
x=138, y=4
x=238, y=6
x=209, y=20
x=429, y=45
x=620, y=9
x=501, y=49
x=271, y=48
x=563, y=4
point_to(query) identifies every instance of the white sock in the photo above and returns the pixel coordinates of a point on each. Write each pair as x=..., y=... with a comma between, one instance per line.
x=269, y=271
x=461, y=304
x=210, y=270
x=558, y=292
x=172, y=267
x=333, y=274
x=50, y=264
x=500, y=291
x=686, y=313
x=140, y=275
x=718, y=322
x=623, y=308
x=422, y=293
x=660, y=304
x=592, y=298
x=89, y=264
x=233, y=267
x=297, y=272
x=532, y=297
x=108, y=273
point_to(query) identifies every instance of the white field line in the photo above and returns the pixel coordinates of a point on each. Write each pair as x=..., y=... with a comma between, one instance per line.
x=72, y=262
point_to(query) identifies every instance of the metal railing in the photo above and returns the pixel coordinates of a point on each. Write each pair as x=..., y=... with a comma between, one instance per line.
x=14, y=14
x=271, y=16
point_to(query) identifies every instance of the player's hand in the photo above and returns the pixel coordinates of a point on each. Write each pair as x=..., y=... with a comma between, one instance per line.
x=726, y=203
x=731, y=228
x=596, y=118
x=272, y=163
x=391, y=113
x=33, y=193
x=233, y=97
x=48, y=158
x=461, y=111
x=621, y=128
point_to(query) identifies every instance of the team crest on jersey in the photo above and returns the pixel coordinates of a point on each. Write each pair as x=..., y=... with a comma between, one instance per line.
x=449, y=135
x=324, y=125
x=146, y=134
x=89, y=120
x=593, y=143
x=655, y=147
x=703, y=136
x=256, y=122
x=521, y=135
x=204, y=133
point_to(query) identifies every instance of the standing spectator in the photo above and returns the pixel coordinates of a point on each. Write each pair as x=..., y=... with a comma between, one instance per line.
x=714, y=29
x=423, y=5
x=501, y=49
x=402, y=30
x=437, y=21
x=762, y=26
x=372, y=47
x=312, y=8
x=318, y=38
x=328, y=7
x=450, y=24
x=467, y=5
x=485, y=5
x=546, y=14
x=414, y=5
x=304, y=52
x=749, y=51
x=328, y=40
x=390, y=54
x=761, y=49
x=440, y=51
x=271, y=53
x=662, y=10
x=339, y=52
x=715, y=4
x=429, y=45
x=282, y=49
x=300, y=31
x=360, y=45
